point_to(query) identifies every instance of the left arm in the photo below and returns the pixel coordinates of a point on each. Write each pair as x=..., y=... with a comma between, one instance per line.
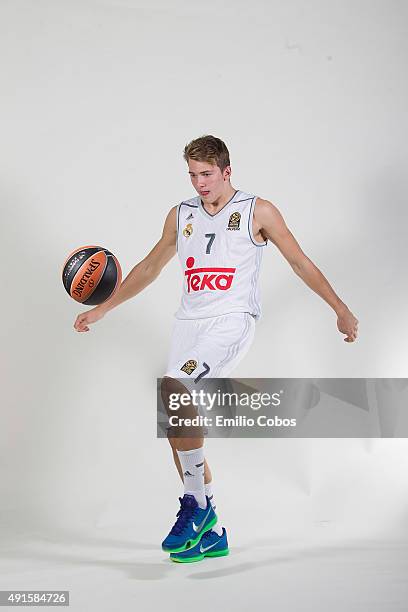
x=269, y=223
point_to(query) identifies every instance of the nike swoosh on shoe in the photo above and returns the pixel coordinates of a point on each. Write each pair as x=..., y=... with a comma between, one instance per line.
x=201, y=525
x=208, y=547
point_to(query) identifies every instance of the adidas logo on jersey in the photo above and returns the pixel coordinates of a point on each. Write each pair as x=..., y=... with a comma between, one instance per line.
x=199, y=279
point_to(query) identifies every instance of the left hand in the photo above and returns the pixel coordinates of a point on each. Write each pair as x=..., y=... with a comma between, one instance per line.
x=347, y=324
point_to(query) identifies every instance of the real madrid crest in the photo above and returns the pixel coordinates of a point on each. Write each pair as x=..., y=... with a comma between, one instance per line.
x=188, y=230
x=234, y=221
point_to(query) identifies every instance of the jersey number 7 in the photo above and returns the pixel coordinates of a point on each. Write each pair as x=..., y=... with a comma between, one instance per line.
x=210, y=242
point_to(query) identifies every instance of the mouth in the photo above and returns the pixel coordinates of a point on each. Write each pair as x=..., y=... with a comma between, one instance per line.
x=204, y=193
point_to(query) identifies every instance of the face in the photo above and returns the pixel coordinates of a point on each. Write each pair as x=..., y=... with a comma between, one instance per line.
x=206, y=177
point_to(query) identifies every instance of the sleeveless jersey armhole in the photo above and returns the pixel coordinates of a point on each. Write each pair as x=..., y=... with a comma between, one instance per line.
x=178, y=224
x=190, y=206
x=250, y=220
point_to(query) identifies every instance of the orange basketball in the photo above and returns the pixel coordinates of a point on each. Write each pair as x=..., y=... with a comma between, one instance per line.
x=91, y=275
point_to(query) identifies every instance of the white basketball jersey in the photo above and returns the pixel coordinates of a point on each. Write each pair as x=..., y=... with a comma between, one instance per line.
x=219, y=257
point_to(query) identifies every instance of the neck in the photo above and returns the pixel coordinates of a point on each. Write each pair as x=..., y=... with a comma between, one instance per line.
x=224, y=198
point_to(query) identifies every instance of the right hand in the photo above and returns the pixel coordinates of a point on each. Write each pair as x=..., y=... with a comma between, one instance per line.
x=86, y=318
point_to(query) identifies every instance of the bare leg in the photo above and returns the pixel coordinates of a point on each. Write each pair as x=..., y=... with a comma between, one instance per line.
x=170, y=385
x=186, y=437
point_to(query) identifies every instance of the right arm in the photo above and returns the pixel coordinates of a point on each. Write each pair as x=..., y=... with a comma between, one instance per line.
x=144, y=273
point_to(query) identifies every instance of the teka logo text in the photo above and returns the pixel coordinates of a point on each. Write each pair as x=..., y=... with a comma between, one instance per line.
x=199, y=279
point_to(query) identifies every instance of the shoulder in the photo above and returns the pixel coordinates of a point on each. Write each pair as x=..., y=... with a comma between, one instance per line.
x=263, y=206
x=185, y=205
x=180, y=211
x=170, y=223
x=190, y=202
x=268, y=220
x=265, y=210
x=171, y=215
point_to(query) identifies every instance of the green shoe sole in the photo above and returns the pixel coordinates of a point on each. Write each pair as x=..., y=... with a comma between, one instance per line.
x=218, y=553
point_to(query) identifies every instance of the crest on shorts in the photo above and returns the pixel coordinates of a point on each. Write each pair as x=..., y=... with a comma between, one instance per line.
x=188, y=230
x=189, y=366
x=234, y=221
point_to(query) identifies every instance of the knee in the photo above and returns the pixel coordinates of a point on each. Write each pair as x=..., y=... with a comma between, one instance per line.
x=169, y=386
x=173, y=407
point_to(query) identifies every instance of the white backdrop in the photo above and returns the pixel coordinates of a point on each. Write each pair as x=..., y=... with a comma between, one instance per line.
x=98, y=99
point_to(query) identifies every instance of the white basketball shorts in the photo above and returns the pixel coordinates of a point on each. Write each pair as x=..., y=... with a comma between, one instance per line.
x=208, y=348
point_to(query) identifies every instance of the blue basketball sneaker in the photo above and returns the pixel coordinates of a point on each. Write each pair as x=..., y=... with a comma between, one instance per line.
x=210, y=545
x=190, y=526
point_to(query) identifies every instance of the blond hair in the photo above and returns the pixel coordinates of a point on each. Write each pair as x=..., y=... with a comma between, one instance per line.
x=208, y=149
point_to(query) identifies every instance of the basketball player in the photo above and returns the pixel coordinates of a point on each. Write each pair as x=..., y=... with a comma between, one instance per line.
x=220, y=236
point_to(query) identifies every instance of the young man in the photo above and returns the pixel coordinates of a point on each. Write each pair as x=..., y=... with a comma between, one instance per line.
x=219, y=236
